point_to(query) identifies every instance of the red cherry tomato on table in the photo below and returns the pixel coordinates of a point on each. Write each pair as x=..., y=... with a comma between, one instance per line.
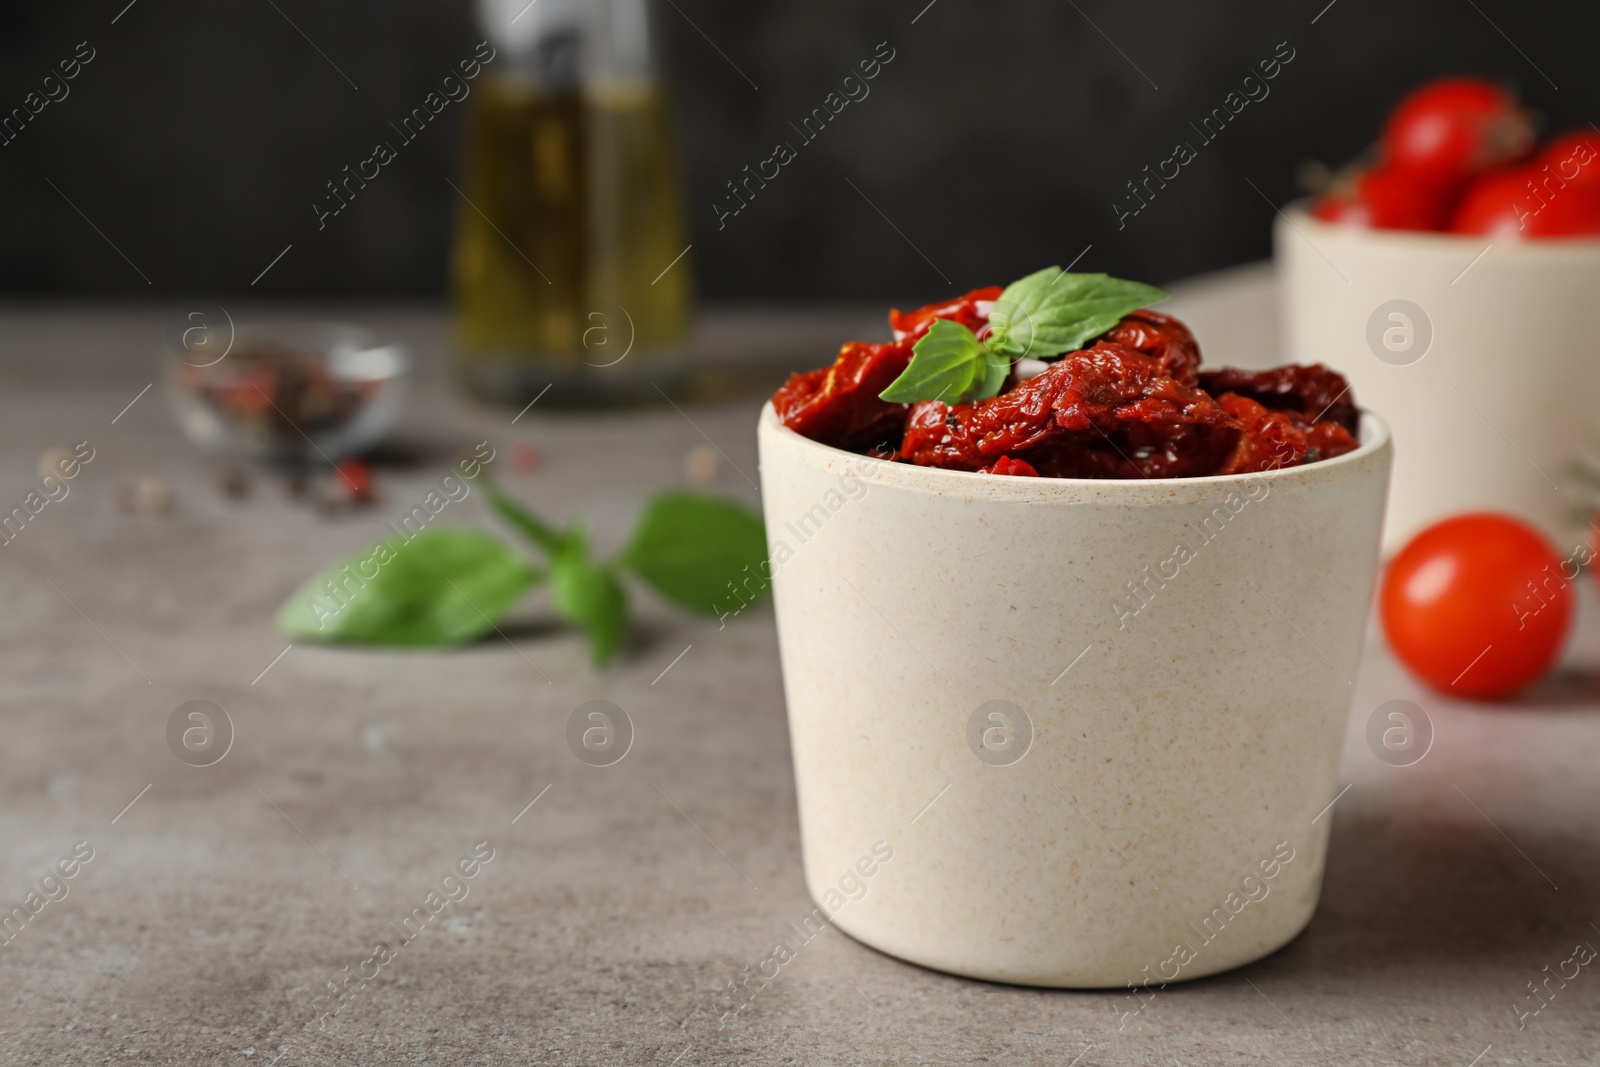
x=1477, y=606
x=1453, y=128
x=1387, y=199
x=1502, y=205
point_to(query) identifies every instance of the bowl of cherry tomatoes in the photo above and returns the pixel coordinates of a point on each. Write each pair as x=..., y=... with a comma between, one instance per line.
x=1450, y=276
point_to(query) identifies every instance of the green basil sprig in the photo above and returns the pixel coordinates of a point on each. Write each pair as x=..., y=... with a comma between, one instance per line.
x=1041, y=316
x=444, y=586
x=449, y=585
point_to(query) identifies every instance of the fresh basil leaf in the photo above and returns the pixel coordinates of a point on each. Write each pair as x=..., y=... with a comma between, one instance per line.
x=690, y=547
x=1050, y=312
x=444, y=586
x=553, y=541
x=588, y=593
x=948, y=363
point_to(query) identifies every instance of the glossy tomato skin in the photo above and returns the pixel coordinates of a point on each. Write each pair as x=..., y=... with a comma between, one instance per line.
x=1385, y=198
x=1495, y=205
x=1478, y=606
x=1526, y=202
x=1570, y=213
x=1575, y=158
x=1451, y=129
x=1344, y=210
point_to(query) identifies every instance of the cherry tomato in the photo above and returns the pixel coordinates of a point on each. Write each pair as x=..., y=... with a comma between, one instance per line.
x=1569, y=212
x=1478, y=606
x=1503, y=205
x=1340, y=209
x=1385, y=198
x=1575, y=159
x=1495, y=204
x=1451, y=129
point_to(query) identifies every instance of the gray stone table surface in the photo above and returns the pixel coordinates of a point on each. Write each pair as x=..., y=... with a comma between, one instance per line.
x=220, y=901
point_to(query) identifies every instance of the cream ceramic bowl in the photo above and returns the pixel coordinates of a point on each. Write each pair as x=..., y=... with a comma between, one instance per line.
x=1092, y=725
x=1490, y=378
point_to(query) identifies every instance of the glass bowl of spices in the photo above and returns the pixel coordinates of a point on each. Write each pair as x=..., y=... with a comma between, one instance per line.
x=285, y=392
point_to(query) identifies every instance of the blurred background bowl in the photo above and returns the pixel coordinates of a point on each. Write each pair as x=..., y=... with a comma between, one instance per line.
x=1481, y=354
x=287, y=392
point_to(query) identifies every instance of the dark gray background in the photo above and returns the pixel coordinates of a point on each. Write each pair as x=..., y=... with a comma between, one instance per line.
x=996, y=141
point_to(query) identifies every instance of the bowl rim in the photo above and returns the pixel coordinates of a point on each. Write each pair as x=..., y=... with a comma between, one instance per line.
x=341, y=336
x=1297, y=215
x=1374, y=434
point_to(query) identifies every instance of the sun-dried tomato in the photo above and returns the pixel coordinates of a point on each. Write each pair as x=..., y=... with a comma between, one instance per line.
x=1134, y=404
x=1142, y=450
x=839, y=405
x=1163, y=337
x=1017, y=468
x=885, y=450
x=1314, y=392
x=1329, y=439
x=1099, y=390
x=971, y=311
x=1267, y=439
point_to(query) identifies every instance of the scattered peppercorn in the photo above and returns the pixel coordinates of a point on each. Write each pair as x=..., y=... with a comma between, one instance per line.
x=54, y=461
x=147, y=496
x=702, y=464
x=234, y=483
x=353, y=482
x=526, y=457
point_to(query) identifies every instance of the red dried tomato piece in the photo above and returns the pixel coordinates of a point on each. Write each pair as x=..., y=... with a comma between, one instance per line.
x=1075, y=456
x=1267, y=440
x=1178, y=451
x=1329, y=439
x=1132, y=405
x=971, y=311
x=1017, y=468
x=839, y=405
x=1101, y=390
x=1314, y=392
x=935, y=437
x=1111, y=384
x=1163, y=337
x=1139, y=451
x=885, y=450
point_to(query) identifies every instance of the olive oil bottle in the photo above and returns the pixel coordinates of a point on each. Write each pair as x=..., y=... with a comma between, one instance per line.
x=569, y=267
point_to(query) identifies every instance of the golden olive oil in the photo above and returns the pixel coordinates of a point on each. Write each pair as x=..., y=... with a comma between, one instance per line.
x=563, y=261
